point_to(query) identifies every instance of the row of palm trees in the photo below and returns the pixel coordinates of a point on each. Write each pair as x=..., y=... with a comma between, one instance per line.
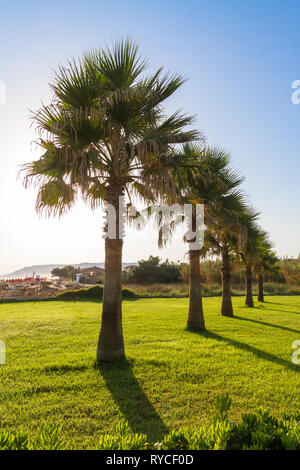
x=106, y=135
x=231, y=230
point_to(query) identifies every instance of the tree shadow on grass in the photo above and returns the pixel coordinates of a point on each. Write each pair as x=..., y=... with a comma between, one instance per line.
x=285, y=328
x=273, y=303
x=262, y=308
x=128, y=395
x=280, y=303
x=267, y=309
x=251, y=349
x=64, y=368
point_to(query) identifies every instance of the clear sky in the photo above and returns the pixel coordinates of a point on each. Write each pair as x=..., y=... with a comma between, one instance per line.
x=240, y=57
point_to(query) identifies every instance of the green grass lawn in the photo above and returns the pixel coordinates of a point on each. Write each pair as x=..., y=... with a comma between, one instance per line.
x=171, y=376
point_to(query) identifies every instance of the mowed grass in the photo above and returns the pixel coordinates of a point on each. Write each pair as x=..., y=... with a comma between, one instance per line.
x=171, y=376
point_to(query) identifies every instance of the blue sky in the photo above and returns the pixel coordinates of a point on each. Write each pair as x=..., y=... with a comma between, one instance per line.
x=240, y=58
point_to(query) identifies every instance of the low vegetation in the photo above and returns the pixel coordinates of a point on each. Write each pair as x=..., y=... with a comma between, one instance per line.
x=259, y=431
x=93, y=292
x=180, y=289
x=153, y=270
x=153, y=274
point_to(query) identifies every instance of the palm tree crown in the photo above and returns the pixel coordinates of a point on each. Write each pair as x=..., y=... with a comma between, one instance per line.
x=105, y=131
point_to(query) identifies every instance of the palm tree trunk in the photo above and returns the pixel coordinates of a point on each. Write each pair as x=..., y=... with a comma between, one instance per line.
x=260, y=296
x=249, y=296
x=195, y=315
x=226, y=308
x=111, y=342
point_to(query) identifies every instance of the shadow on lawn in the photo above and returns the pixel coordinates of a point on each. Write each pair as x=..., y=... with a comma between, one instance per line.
x=286, y=328
x=272, y=303
x=262, y=308
x=246, y=347
x=131, y=400
x=280, y=303
x=64, y=368
x=267, y=309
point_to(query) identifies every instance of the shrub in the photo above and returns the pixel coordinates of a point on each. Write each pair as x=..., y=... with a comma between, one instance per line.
x=49, y=439
x=14, y=441
x=124, y=439
x=184, y=439
x=93, y=292
x=128, y=294
x=153, y=270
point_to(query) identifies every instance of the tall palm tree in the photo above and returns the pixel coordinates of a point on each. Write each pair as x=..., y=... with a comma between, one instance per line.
x=224, y=236
x=167, y=221
x=266, y=262
x=249, y=256
x=105, y=135
x=218, y=194
x=207, y=185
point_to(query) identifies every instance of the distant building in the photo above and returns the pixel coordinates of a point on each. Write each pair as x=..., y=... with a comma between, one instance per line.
x=127, y=268
x=89, y=274
x=91, y=271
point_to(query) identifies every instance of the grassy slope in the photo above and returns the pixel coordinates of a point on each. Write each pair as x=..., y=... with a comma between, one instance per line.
x=171, y=377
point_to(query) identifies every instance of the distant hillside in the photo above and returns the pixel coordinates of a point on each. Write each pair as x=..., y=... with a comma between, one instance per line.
x=44, y=270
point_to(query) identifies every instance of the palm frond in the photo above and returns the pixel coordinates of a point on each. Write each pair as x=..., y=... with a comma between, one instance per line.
x=55, y=197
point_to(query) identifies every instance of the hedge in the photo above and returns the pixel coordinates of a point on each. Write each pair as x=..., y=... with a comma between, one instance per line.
x=93, y=292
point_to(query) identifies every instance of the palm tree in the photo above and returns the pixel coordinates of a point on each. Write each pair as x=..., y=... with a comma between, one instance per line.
x=221, y=200
x=266, y=262
x=166, y=222
x=224, y=237
x=211, y=180
x=249, y=256
x=105, y=135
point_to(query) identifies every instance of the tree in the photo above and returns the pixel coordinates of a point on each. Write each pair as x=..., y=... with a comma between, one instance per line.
x=166, y=223
x=210, y=190
x=266, y=262
x=106, y=135
x=211, y=180
x=67, y=272
x=249, y=256
x=291, y=270
x=224, y=234
x=153, y=270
